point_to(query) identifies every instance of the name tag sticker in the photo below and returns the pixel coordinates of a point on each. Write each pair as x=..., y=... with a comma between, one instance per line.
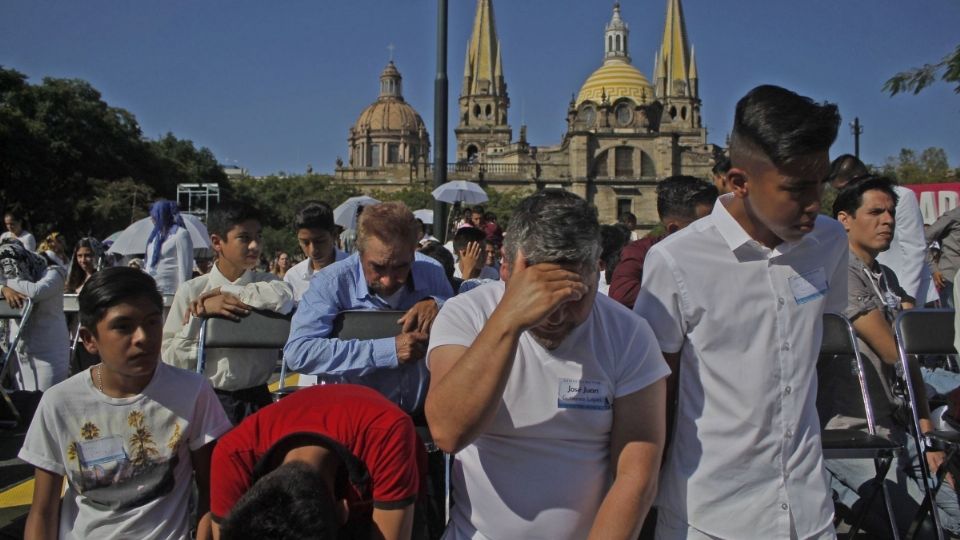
x=809, y=286
x=100, y=451
x=583, y=394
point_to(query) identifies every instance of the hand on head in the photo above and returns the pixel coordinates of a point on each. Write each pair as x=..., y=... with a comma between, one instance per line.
x=534, y=292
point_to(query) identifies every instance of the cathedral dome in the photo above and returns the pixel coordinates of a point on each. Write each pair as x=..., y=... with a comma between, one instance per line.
x=616, y=78
x=390, y=112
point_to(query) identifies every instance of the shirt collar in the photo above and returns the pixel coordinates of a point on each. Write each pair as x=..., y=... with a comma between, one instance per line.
x=737, y=238
x=216, y=278
x=360, y=283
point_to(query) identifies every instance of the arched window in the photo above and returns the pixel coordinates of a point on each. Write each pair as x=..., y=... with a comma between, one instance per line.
x=489, y=112
x=476, y=111
x=618, y=42
x=609, y=43
x=623, y=161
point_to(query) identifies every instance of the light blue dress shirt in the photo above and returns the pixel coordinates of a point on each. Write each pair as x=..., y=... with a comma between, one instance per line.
x=341, y=287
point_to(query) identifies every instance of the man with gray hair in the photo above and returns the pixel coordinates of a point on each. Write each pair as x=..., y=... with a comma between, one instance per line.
x=546, y=391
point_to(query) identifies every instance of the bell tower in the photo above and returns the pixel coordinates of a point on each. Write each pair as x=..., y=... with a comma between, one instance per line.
x=483, y=99
x=677, y=84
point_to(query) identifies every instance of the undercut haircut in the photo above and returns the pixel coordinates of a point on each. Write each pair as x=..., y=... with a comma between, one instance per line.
x=782, y=125
x=612, y=240
x=315, y=215
x=290, y=503
x=465, y=235
x=722, y=166
x=678, y=196
x=228, y=215
x=112, y=286
x=850, y=198
x=554, y=226
x=845, y=168
x=391, y=222
x=442, y=255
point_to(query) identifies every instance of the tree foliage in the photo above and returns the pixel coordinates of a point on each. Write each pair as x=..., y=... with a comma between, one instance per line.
x=929, y=167
x=916, y=79
x=71, y=162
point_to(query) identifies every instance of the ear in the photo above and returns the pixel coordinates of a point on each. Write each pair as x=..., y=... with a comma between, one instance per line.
x=89, y=341
x=215, y=243
x=844, y=219
x=737, y=182
x=672, y=227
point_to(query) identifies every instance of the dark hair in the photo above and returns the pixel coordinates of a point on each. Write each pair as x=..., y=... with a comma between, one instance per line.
x=627, y=216
x=465, y=235
x=612, y=240
x=490, y=216
x=782, y=124
x=315, y=215
x=851, y=196
x=289, y=503
x=722, y=166
x=75, y=275
x=678, y=196
x=845, y=168
x=110, y=287
x=555, y=226
x=228, y=215
x=436, y=251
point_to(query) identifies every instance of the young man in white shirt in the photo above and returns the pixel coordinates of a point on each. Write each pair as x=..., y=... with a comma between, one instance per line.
x=231, y=290
x=317, y=236
x=551, y=396
x=736, y=300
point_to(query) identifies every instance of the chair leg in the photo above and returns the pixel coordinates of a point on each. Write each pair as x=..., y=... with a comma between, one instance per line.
x=882, y=465
x=929, y=499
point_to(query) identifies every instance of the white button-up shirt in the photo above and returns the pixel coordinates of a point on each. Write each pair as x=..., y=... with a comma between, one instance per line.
x=745, y=459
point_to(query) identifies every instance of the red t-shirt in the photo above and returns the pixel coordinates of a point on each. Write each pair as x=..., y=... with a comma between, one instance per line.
x=375, y=440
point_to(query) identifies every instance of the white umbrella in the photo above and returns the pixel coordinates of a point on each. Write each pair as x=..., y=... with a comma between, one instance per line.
x=424, y=215
x=133, y=239
x=345, y=215
x=460, y=191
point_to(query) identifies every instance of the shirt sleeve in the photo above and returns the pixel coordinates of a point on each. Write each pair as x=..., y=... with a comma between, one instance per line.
x=910, y=241
x=396, y=477
x=267, y=292
x=642, y=363
x=49, y=286
x=184, y=250
x=179, y=346
x=627, y=275
x=660, y=297
x=41, y=447
x=861, y=298
x=837, y=294
x=209, y=419
x=458, y=323
x=311, y=351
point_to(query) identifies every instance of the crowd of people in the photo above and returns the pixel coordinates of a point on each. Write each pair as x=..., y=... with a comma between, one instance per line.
x=579, y=375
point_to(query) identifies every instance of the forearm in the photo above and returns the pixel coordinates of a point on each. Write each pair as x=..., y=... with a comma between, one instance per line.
x=392, y=524
x=625, y=507
x=461, y=403
x=319, y=355
x=42, y=525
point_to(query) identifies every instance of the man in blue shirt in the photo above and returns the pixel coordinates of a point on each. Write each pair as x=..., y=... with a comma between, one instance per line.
x=386, y=273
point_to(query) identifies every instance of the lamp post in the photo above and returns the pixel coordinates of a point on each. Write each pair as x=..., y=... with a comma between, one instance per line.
x=440, y=121
x=857, y=129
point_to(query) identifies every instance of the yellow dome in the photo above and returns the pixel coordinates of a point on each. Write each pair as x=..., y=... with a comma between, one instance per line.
x=389, y=114
x=618, y=79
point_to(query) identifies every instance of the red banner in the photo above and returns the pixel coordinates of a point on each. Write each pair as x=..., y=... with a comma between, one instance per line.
x=935, y=199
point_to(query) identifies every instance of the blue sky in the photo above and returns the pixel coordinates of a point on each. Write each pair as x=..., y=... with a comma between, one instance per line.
x=275, y=86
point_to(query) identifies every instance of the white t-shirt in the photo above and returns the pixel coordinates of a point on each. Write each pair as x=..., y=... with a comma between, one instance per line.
x=25, y=238
x=542, y=467
x=301, y=273
x=126, y=460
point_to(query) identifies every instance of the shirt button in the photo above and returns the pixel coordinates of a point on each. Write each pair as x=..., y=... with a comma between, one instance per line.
x=788, y=434
x=783, y=506
x=786, y=346
x=780, y=301
x=787, y=390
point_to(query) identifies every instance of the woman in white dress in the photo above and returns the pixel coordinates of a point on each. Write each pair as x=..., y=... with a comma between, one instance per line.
x=169, y=248
x=43, y=353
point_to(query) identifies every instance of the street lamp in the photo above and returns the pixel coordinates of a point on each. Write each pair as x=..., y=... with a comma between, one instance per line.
x=856, y=128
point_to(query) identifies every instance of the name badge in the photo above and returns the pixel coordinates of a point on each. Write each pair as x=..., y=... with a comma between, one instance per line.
x=809, y=286
x=583, y=394
x=100, y=451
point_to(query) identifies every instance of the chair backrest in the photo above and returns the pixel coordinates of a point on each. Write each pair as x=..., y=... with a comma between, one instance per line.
x=259, y=330
x=71, y=304
x=22, y=315
x=7, y=312
x=356, y=324
x=926, y=331
x=839, y=339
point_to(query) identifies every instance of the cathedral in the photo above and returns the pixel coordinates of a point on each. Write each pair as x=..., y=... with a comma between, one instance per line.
x=623, y=132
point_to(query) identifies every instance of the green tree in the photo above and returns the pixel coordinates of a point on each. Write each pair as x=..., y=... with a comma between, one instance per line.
x=916, y=79
x=930, y=167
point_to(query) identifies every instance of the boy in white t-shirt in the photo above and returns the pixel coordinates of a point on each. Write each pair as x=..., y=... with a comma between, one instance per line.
x=128, y=433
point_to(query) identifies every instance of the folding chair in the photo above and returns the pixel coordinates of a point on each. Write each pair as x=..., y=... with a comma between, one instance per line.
x=259, y=330
x=926, y=331
x=839, y=340
x=22, y=315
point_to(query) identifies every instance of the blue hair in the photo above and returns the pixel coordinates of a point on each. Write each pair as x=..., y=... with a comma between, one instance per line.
x=166, y=219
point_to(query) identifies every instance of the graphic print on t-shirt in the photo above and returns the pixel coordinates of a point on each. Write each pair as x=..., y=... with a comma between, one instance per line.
x=123, y=470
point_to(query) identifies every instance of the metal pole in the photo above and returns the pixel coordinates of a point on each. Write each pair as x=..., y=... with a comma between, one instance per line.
x=440, y=122
x=857, y=129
